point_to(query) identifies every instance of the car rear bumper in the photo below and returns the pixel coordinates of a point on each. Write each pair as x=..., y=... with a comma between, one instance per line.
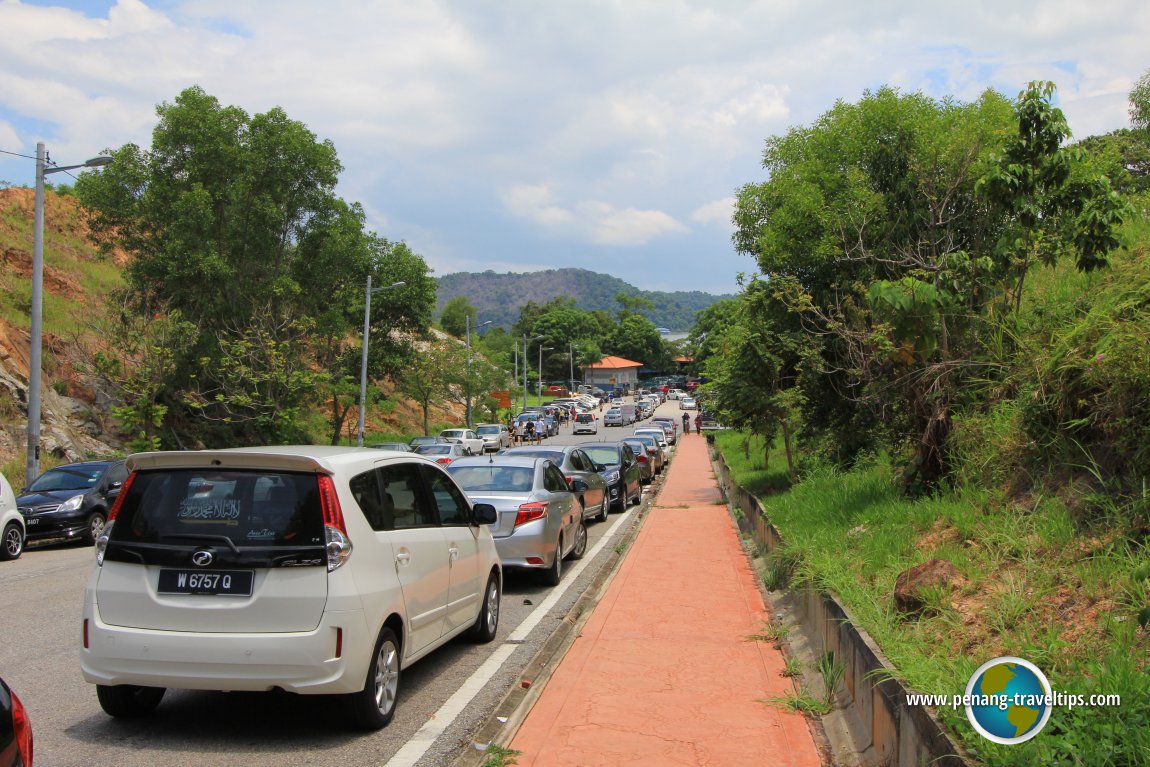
x=301, y=662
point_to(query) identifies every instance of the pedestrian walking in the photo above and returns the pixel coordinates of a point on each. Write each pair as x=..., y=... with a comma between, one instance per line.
x=699, y=423
x=540, y=430
x=686, y=423
x=529, y=432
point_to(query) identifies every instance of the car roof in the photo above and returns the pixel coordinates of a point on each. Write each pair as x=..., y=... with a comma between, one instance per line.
x=87, y=464
x=325, y=459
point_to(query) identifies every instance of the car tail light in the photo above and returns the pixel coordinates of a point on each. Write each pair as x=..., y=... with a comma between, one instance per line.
x=642, y=458
x=23, y=730
x=443, y=461
x=335, y=529
x=529, y=512
x=120, y=498
x=570, y=481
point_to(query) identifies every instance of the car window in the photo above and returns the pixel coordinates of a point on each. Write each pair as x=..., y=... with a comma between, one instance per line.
x=493, y=477
x=553, y=479
x=365, y=489
x=628, y=453
x=168, y=505
x=117, y=474
x=580, y=462
x=400, y=485
x=450, y=504
x=602, y=454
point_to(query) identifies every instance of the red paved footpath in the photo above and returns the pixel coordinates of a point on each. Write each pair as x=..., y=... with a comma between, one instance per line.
x=664, y=672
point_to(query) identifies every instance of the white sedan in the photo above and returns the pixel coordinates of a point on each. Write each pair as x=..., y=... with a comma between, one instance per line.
x=687, y=403
x=472, y=442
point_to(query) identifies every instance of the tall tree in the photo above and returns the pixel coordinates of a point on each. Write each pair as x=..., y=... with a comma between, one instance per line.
x=232, y=221
x=457, y=312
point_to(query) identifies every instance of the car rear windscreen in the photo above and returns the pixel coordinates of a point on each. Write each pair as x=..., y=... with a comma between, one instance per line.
x=248, y=508
x=493, y=478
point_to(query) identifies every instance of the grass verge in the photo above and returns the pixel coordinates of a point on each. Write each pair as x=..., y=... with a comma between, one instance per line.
x=1038, y=585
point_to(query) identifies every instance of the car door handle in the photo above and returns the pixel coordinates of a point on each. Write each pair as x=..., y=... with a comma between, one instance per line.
x=403, y=557
x=453, y=551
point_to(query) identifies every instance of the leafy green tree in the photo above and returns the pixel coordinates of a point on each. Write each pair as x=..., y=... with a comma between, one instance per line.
x=455, y=316
x=636, y=338
x=232, y=221
x=1140, y=102
x=874, y=227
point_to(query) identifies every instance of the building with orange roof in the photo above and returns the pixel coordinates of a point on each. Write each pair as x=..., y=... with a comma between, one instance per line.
x=612, y=373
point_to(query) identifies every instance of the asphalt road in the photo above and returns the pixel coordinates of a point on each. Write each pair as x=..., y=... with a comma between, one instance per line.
x=41, y=597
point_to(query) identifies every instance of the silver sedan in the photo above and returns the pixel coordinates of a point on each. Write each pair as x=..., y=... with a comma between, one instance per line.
x=540, y=521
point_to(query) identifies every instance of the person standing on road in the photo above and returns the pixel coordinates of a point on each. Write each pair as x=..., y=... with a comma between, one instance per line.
x=540, y=430
x=529, y=432
x=699, y=423
x=686, y=423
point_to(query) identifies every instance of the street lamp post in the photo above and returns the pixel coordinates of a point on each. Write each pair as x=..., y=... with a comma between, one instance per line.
x=525, y=342
x=541, y=350
x=467, y=383
x=571, y=364
x=37, y=330
x=363, y=358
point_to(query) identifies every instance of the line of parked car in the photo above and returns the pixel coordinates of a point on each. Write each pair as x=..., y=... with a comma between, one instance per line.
x=316, y=570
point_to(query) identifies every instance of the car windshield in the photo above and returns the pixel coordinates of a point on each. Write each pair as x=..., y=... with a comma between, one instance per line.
x=602, y=453
x=494, y=478
x=67, y=478
x=487, y=430
x=424, y=440
x=435, y=449
x=453, y=433
x=614, y=411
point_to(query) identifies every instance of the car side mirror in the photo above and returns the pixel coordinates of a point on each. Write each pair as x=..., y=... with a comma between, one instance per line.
x=578, y=486
x=484, y=514
x=600, y=467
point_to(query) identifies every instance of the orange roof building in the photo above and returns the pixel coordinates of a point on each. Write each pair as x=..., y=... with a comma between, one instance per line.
x=612, y=373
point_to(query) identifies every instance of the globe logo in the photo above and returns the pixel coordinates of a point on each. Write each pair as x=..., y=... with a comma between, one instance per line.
x=1008, y=700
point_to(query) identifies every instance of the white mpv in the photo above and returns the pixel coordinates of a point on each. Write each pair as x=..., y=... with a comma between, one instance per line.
x=315, y=570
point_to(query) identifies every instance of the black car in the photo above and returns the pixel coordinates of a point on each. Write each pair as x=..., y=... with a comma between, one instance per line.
x=620, y=469
x=71, y=501
x=15, y=730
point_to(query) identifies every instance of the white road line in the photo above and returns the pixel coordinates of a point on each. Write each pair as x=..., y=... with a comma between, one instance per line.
x=426, y=735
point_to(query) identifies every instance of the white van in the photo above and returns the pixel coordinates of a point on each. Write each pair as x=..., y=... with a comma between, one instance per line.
x=315, y=570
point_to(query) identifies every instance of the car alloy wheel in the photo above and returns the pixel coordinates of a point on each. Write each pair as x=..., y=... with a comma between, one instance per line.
x=488, y=621
x=580, y=547
x=373, y=707
x=13, y=543
x=96, y=525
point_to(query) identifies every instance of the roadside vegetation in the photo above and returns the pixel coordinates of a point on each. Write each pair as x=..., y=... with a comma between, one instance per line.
x=947, y=357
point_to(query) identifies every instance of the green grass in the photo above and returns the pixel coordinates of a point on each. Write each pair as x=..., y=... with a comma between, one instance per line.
x=1041, y=586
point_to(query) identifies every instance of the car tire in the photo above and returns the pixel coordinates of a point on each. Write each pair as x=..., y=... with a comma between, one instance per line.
x=553, y=574
x=580, y=547
x=12, y=546
x=373, y=707
x=487, y=623
x=604, y=510
x=96, y=524
x=128, y=701
x=638, y=496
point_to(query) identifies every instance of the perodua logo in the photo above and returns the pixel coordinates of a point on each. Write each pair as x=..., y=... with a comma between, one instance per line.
x=203, y=558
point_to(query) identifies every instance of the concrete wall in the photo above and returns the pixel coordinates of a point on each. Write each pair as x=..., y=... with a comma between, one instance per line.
x=885, y=729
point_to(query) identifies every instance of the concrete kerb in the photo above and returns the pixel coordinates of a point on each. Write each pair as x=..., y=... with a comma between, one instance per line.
x=505, y=721
x=877, y=727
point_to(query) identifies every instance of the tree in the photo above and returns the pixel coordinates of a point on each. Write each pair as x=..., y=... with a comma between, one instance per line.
x=232, y=221
x=636, y=338
x=431, y=374
x=455, y=316
x=875, y=229
x=1140, y=102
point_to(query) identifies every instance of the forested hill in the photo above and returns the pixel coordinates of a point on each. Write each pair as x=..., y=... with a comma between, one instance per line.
x=498, y=297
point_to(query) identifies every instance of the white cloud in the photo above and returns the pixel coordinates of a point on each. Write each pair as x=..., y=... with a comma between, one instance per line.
x=594, y=221
x=623, y=114
x=718, y=211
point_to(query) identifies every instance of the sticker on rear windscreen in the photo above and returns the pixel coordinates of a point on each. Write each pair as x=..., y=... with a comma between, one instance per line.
x=226, y=510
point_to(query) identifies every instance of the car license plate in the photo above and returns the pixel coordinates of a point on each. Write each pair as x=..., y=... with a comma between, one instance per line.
x=229, y=583
x=32, y=521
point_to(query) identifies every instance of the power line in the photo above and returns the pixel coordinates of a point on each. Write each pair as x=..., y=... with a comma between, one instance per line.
x=17, y=154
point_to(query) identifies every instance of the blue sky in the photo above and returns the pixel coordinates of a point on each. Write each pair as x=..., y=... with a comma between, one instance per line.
x=522, y=135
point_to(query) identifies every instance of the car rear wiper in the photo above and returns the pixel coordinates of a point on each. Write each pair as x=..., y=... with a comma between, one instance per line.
x=204, y=537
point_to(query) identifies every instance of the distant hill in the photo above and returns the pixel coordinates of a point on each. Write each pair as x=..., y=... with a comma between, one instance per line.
x=498, y=297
